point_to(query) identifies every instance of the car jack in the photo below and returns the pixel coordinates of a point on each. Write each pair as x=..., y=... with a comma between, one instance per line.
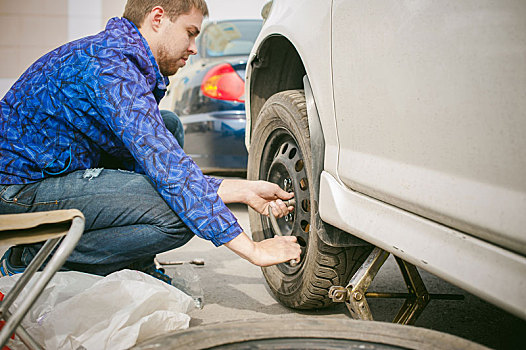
x=355, y=296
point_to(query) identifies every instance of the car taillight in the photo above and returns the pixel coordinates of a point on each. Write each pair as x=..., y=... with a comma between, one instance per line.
x=223, y=83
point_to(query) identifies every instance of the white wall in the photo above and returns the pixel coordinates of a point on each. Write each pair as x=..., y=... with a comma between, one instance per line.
x=80, y=18
x=84, y=18
x=28, y=29
x=231, y=9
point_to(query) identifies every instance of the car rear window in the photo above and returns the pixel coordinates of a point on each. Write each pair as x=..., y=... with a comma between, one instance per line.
x=230, y=38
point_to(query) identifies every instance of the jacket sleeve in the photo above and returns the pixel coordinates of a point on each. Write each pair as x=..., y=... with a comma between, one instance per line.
x=214, y=182
x=124, y=99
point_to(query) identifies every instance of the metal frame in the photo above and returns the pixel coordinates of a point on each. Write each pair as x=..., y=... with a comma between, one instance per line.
x=64, y=249
x=355, y=293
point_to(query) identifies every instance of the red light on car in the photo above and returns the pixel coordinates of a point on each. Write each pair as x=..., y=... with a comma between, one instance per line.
x=223, y=83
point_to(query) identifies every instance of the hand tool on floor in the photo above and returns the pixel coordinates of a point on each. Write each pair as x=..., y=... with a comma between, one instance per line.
x=275, y=226
x=197, y=261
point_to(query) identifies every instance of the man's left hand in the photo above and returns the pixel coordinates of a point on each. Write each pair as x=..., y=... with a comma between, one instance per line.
x=259, y=195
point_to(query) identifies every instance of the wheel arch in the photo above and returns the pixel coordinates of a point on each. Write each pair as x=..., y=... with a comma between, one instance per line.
x=276, y=67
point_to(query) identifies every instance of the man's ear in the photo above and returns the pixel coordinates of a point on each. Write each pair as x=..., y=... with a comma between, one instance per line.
x=156, y=17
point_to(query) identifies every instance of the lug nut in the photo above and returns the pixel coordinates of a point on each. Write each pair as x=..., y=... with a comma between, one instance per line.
x=287, y=183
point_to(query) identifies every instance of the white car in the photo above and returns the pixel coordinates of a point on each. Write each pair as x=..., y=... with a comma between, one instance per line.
x=400, y=125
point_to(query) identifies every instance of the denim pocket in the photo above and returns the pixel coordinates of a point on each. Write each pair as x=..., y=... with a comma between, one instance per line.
x=23, y=195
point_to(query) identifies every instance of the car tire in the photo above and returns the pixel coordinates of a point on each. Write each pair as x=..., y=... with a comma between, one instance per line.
x=299, y=333
x=280, y=151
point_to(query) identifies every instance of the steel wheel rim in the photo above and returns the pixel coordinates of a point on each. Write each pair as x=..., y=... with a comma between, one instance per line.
x=285, y=166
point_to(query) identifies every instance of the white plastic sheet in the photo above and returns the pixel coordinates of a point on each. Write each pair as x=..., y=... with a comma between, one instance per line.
x=82, y=311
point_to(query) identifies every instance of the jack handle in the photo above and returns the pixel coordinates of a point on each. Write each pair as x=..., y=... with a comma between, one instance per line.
x=275, y=226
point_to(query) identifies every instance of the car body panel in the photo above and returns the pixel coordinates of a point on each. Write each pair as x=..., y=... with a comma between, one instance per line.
x=223, y=132
x=429, y=171
x=433, y=114
x=483, y=269
x=214, y=128
x=185, y=90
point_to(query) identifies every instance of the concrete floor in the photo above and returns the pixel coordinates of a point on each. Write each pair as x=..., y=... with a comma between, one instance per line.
x=235, y=289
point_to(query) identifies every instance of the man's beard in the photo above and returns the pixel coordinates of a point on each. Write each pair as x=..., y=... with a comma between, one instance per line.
x=168, y=66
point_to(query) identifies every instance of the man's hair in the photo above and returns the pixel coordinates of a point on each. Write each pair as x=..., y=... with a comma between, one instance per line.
x=137, y=10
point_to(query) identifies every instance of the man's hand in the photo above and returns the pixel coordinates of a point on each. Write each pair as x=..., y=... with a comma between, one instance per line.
x=277, y=250
x=259, y=195
x=267, y=252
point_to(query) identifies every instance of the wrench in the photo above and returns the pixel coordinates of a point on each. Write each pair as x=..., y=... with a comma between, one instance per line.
x=275, y=226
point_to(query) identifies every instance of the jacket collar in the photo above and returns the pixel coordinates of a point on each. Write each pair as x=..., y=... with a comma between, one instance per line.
x=149, y=67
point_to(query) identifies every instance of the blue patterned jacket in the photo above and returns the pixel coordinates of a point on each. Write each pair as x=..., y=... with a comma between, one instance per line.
x=101, y=94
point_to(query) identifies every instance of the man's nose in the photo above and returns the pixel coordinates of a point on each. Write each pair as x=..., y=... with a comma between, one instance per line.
x=192, y=48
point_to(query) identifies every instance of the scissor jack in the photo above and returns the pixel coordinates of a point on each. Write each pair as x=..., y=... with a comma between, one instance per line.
x=355, y=293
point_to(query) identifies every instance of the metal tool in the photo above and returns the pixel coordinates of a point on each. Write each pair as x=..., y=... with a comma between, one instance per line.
x=275, y=226
x=198, y=262
x=355, y=294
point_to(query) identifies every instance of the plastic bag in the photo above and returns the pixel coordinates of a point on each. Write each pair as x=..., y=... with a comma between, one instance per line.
x=82, y=311
x=186, y=279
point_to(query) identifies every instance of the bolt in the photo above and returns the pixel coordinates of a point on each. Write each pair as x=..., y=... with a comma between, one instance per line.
x=338, y=294
x=357, y=296
x=290, y=217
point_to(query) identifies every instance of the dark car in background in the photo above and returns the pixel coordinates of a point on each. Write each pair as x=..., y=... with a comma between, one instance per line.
x=208, y=95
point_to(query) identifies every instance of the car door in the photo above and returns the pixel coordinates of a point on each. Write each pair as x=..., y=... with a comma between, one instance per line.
x=430, y=101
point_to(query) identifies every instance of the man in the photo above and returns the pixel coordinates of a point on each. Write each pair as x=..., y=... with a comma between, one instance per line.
x=96, y=99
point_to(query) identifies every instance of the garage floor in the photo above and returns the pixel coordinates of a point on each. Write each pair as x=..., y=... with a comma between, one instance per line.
x=235, y=289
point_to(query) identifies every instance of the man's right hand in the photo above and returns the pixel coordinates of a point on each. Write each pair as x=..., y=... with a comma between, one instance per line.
x=268, y=252
x=277, y=250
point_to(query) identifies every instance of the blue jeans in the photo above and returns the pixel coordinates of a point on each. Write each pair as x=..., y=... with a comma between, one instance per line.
x=127, y=221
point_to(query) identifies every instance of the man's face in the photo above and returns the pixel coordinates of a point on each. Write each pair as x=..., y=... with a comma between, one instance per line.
x=178, y=41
